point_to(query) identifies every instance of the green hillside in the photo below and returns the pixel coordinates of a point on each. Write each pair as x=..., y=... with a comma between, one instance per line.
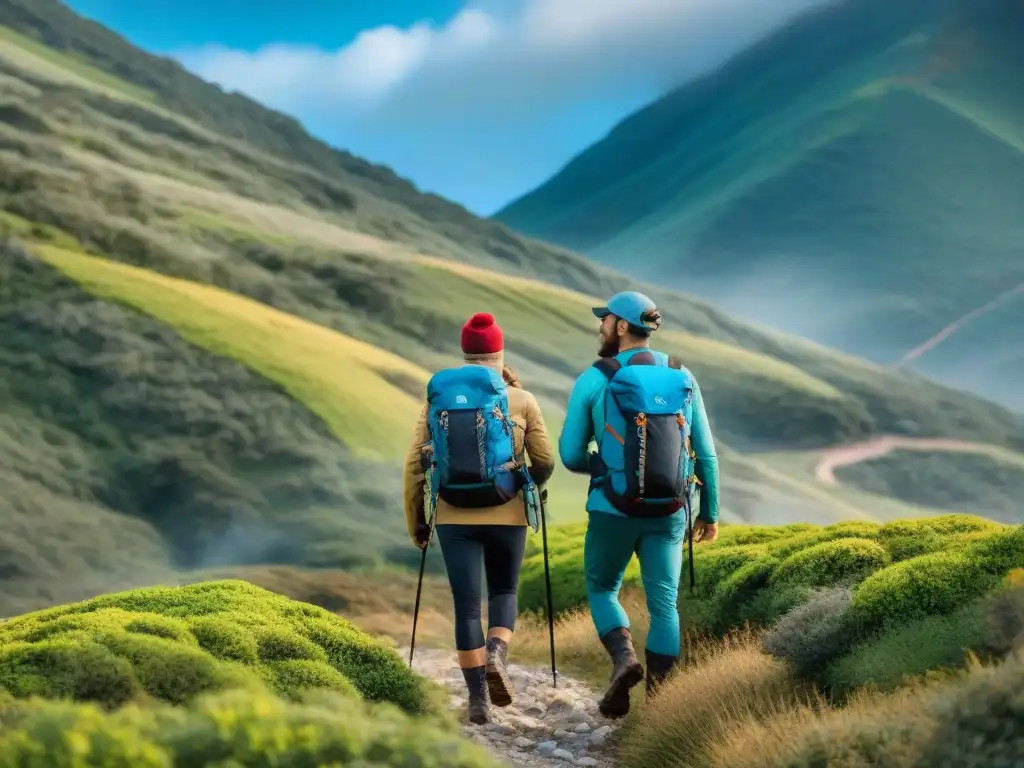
x=212, y=350
x=854, y=178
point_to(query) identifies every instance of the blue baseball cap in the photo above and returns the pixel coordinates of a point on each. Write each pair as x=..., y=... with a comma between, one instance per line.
x=631, y=307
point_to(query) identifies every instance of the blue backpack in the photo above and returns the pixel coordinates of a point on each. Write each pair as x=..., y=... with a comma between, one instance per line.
x=644, y=462
x=472, y=438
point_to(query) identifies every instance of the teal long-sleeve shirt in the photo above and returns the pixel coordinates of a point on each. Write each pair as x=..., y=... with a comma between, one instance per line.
x=584, y=420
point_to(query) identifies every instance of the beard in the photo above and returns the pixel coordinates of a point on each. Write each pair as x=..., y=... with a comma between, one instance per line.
x=609, y=347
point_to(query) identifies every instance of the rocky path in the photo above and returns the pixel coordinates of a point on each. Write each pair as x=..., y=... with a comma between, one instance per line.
x=543, y=727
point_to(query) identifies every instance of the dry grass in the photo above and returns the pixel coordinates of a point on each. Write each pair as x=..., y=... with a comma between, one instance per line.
x=729, y=685
x=342, y=380
x=798, y=735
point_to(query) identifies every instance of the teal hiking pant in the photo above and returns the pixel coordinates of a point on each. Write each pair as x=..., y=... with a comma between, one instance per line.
x=610, y=543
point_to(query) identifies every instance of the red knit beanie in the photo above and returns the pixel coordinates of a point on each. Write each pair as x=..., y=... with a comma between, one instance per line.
x=482, y=336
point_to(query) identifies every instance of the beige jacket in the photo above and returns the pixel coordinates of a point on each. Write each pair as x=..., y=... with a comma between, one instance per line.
x=526, y=414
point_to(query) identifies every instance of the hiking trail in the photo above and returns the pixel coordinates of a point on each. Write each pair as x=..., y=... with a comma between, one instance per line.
x=545, y=727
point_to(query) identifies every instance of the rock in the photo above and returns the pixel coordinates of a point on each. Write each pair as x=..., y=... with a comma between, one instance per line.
x=525, y=723
x=522, y=742
x=561, y=733
x=561, y=700
x=599, y=737
x=588, y=761
x=582, y=727
x=578, y=716
x=499, y=727
x=535, y=709
x=547, y=748
x=563, y=754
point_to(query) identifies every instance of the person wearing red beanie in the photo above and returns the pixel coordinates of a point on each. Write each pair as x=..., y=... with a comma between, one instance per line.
x=481, y=335
x=489, y=539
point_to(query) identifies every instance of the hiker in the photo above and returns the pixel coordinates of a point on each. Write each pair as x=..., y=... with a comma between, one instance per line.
x=633, y=504
x=479, y=525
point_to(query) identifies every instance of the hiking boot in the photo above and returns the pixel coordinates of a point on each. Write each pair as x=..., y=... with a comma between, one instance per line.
x=499, y=684
x=658, y=668
x=626, y=672
x=476, y=684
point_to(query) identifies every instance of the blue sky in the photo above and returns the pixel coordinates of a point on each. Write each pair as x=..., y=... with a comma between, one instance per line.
x=476, y=100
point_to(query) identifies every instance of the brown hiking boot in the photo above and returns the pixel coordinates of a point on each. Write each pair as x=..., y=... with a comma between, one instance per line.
x=499, y=684
x=659, y=666
x=626, y=672
x=479, y=710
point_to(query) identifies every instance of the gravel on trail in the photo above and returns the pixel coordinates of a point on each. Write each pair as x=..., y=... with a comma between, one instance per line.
x=552, y=727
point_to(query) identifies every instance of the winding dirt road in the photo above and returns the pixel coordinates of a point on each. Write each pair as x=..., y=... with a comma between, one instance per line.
x=844, y=455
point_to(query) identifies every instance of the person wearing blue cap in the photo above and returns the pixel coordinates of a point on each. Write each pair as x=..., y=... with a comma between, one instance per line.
x=646, y=413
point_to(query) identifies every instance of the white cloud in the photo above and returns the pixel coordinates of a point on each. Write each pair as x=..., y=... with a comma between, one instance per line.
x=486, y=70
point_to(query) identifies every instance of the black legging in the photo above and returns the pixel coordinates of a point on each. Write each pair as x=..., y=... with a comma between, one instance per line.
x=499, y=549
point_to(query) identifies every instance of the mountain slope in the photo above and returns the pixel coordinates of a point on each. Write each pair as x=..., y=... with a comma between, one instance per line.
x=212, y=351
x=869, y=155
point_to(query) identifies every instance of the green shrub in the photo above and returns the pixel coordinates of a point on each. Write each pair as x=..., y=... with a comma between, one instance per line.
x=832, y=563
x=233, y=728
x=783, y=548
x=911, y=537
x=746, y=597
x=926, y=585
x=920, y=646
x=1001, y=551
x=713, y=566
x=812, y=634
x=173, y=644
x=733, y=535
x=980, y=722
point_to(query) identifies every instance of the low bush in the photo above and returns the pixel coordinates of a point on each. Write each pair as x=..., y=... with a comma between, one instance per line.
x=837, y=562
x=926, y=585
x=904, y=539
x=813, y=634
x=173, y=644
x=921, y=646
x=234, y=728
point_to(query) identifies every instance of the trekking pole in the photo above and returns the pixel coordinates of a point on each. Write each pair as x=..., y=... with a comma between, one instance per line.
x=419, y=592
x=547, y=584
x=423, y=567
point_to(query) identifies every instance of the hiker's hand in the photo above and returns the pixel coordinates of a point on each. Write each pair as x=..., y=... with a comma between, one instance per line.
x=422, y=535
x=704, y=532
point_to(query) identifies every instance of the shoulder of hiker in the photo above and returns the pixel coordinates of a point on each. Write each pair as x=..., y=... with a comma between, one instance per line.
x=523, y=400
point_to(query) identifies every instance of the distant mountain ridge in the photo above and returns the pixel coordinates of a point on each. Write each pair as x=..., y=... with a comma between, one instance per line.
x=855, y=178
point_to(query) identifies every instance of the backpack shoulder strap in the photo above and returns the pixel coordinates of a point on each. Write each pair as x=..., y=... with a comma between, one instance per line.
x=608, y=366
x=643, y=358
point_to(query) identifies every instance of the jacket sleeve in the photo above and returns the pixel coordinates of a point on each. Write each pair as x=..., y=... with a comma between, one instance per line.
x=706, y=467
x=538, y=443
x=578, y=429
x=414, y=479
